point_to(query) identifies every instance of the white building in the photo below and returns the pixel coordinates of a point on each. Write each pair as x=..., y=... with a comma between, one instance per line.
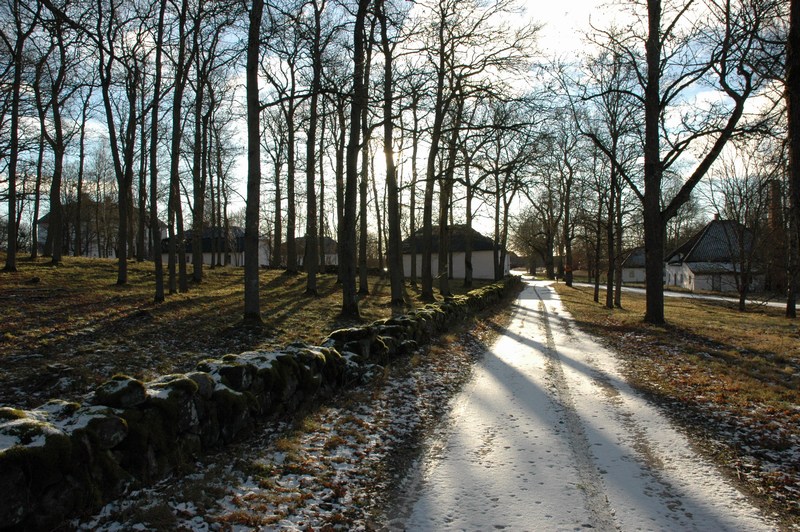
x=713, y=259
x=482, y=254
x=633, y=267
x=216, y=244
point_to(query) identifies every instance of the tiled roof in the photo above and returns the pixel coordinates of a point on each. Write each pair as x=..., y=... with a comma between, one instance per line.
x=635, y=258
x=716, y=242
x=458, y=239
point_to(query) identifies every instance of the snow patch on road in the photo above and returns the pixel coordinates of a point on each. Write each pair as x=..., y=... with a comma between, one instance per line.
x=548, y=436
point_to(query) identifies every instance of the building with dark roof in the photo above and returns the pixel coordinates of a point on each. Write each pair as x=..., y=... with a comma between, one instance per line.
x=482, y=253
x=633, y=266
x=712, y=259
x=330, y=246
x=217, y=244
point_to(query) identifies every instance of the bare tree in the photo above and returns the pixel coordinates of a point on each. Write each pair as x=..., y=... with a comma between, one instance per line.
x=347, y=265
x=155, y=226
x=286, y=45
x=686, y=45
x=252, y=305
x=24, y=21
x=394, y=246
x=793, y=118
x=464, y=42
x=739, y=190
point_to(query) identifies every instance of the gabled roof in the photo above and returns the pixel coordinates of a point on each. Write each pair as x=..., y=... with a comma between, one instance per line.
x=234, y=242
x=716, y=242
x=331, y=246
x=458, y=240
x=234, y=231
x=634, y=258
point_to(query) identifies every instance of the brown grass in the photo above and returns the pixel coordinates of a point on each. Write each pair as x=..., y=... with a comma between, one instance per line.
x=731, y=378
x=65, y=329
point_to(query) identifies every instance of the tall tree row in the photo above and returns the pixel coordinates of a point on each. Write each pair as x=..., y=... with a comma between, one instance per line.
x=465, y=132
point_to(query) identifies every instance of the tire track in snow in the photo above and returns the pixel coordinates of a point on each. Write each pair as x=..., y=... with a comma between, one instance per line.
x=591, y=482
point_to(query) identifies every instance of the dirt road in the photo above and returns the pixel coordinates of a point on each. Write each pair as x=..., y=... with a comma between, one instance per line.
x=548, y=436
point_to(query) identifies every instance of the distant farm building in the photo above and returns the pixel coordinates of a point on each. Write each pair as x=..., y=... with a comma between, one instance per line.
x=98, y=230
x=633, y=268
x=712, y=259
x=331, y=248
x=482, y=253
x=220, y=247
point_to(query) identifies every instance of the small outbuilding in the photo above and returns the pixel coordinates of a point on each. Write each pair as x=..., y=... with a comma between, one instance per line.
x=330, y=246
x=217, y=243
x=482, y=253
x=713, y=259
x=633, y=266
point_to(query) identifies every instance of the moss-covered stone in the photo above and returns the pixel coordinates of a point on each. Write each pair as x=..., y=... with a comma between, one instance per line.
x=16, y=503
x=407, y=347
x=350, y=335
x=148, y=452
x=8, y=414
x=106, y=429
x=204, y=382
x=288, y=378
x=120, y=392
x=209, y=422
x=59, y=410
x=233, y=411
x=40, y=451
x=237, y=375
x=173, y=395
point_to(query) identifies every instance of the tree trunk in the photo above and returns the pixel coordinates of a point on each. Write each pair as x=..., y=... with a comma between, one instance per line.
x=155, y=226
x=394, y=250
x=468, y=239
x=16, y=89
x=363, y=285
x=793, y=116
x=618, y=251
x=291, y=213
x=341, y=146
x=610, y=238
x=347, y=267
x=378, y=217
x=412, y=208
x=252, y=308
x=321, y=214
x=142, y=189
x=198, y=177
x=176, y=255
x=597, y=247
x=567, y=235
x=311, y=261
x=653, y=220
x=37, y=198
x=81, y=164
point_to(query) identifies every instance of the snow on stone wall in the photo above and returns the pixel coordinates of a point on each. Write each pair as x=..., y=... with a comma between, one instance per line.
x=66, y=458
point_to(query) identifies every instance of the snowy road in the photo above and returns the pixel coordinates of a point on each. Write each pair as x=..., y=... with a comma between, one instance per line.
x=548, y=436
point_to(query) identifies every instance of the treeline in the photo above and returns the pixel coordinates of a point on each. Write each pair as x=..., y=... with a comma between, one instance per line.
x=469, y=119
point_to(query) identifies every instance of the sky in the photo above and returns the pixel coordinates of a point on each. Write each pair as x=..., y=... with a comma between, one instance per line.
x=564, y=22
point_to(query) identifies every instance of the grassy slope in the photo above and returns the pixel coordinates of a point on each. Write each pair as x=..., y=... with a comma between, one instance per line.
x=75, y=327
x=730, y=378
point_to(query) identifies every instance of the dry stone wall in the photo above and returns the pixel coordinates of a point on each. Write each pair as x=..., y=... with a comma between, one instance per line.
x=65, y=458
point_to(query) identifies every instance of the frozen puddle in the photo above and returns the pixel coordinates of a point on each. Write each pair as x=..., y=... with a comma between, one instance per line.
x=547, y=436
